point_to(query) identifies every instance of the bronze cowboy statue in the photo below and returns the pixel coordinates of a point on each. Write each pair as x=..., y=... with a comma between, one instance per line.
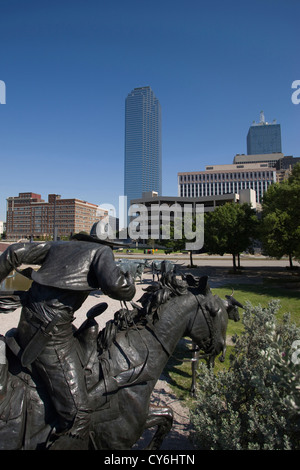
x=69, y=272
x=68, y=388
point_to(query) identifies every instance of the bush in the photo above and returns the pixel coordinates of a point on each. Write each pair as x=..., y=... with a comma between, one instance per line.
x=256, y=403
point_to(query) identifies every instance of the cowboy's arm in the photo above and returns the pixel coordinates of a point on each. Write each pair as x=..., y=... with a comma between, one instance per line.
x=22, y=253
x=110, y=278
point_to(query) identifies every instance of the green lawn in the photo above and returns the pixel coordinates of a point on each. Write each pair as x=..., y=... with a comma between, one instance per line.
x=262, y=294
x=178, y=369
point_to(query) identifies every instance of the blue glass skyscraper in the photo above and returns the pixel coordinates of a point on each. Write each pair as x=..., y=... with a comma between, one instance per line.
x=143, y=153
x=264, y=137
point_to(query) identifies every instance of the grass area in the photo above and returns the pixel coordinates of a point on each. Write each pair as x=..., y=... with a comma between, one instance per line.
x=179, y=370
x=262, y=294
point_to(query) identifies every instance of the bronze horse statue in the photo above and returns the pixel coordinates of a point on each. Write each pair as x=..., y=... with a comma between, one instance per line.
x=136, y=344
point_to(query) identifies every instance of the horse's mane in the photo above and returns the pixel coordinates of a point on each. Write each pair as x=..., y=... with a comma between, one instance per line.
x=123, y=320
x=160, y=292
x=154, y=297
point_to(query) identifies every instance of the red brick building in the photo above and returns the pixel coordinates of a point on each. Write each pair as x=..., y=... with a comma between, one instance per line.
x=29, y=215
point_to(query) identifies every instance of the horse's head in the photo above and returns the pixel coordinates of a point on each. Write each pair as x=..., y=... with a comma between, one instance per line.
x=207, y=326
x=212, y=316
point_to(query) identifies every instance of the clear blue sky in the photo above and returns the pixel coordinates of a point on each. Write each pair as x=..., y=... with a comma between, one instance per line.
x=68, y=66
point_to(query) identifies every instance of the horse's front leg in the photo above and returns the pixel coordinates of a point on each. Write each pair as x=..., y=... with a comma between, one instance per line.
x=162, y=417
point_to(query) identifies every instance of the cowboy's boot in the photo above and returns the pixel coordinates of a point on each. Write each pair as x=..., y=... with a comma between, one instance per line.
x=75, y=438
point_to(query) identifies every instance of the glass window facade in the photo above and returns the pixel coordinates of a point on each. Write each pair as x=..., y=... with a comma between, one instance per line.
x=264, y=138
x=143, y=153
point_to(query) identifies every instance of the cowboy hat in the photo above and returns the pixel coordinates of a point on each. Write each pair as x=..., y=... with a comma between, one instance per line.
x=93, y=237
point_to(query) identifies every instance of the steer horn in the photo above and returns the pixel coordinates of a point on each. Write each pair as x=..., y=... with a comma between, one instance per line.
x=232, y=300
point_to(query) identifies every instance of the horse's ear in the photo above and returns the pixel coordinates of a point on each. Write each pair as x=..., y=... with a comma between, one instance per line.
x=203, y=283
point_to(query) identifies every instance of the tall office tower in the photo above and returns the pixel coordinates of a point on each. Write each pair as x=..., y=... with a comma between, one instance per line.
x=264, y=137
x=143, y=166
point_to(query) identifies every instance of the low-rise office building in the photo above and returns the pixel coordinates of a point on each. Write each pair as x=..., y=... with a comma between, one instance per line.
x=28, y=215
x=154, y=211
x=219, y=180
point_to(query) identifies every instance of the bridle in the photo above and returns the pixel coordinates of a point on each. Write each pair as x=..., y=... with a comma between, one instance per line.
x=210, y=350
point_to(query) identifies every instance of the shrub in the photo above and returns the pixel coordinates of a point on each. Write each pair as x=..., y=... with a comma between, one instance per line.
x=255, y=404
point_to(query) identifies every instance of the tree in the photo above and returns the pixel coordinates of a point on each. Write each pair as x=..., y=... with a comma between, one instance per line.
x=255, y=404
x=280, y=226
x=230, y=229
